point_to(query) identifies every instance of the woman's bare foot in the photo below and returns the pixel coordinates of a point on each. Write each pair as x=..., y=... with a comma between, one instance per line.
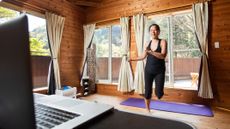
x=148, y=110
x=147, y=105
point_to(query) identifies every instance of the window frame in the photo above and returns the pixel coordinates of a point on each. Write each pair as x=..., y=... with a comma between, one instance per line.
x=110, y=65
x=169, y=16
x=21, y=10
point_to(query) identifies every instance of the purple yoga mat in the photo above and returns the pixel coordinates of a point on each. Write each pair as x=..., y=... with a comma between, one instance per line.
x=193, y=109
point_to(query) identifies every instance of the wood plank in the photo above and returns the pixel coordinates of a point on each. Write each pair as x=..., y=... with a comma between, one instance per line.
x=219, y=121
x=219, y=31
x=84, y=3
x=72, y=41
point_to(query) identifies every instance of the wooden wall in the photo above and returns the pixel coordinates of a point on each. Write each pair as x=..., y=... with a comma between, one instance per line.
x=71, y=55
x=220, y=58
x=219, y=31
x=72, y=41
x=170, y=94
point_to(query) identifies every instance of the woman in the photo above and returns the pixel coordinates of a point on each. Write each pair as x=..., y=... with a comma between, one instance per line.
x=156, y=51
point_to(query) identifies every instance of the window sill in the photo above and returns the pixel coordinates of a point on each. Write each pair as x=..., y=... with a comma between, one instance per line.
x=166, y=86
x=181, y=88
x=106, y=83
x=40, y=89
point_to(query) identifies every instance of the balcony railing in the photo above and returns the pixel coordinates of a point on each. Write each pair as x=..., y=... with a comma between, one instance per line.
x=40, y=66
x=182, y=67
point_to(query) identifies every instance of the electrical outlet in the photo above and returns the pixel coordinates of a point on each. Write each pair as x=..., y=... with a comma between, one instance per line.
x=217, y=44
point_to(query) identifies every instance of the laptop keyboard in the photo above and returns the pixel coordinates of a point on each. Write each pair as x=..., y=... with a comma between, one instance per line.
x=48, y=117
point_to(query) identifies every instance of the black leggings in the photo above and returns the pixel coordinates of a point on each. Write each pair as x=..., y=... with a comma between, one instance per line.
x=159, y=84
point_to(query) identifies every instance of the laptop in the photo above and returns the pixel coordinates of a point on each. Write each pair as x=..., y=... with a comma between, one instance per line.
x=19, y=107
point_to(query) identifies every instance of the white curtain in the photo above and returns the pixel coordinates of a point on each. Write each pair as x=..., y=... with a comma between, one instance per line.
x=88, y=36
x=200, y=15
x=55, y=25
x=125, y=81
x=139, y=24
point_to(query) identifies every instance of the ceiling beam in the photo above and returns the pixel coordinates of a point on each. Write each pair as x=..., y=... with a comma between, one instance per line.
x=84, y=3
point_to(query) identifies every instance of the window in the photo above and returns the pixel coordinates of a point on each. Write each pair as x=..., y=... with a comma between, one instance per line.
x=38, y=36
x=7, y=14
x=108, y=53
x=39, y=48
x=183, y=57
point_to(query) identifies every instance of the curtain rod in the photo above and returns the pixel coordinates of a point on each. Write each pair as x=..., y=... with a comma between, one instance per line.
x=187, y=6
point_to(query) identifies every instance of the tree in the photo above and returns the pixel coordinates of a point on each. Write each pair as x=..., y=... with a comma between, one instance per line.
x=38, y=44
x=6, y=13
x=184, y=36
x=38, y=47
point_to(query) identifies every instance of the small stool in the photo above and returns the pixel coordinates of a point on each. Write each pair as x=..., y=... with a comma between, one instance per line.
x=194, y=78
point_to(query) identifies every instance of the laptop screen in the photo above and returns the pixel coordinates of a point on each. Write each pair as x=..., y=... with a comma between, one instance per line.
x=16, y=99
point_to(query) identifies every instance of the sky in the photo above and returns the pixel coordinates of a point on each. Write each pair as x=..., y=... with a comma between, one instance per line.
x=35, y=22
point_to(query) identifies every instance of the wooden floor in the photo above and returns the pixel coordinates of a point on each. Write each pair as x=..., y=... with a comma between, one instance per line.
x=221, y=119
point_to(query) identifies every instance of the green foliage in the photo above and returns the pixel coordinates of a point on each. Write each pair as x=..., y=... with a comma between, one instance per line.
x=102, y=50
x=7, y=13
x=40, y=34
x=38, y=48
x=38, y=40
x=182, y=29
x=185, y=44
x=101, y=39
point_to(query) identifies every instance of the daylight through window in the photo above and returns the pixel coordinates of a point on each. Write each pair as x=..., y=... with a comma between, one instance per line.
x=183, y=59
x=108, y=53
x=39, y=48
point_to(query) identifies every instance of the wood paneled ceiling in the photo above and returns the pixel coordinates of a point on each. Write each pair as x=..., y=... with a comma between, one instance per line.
x=87, y=3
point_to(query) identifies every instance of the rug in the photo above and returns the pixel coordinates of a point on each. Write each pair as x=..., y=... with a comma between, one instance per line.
x=194, y=109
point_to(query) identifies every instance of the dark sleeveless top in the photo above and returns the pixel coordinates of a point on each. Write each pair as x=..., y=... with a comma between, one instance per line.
x=155, y=65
